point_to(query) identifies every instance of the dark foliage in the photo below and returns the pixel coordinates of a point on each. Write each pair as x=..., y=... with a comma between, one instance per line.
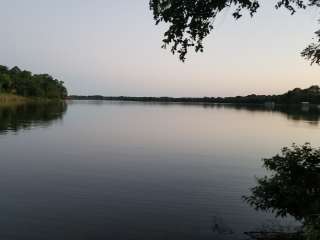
x=190, y=21
x=293, y=188
x=312, y=52
x=24, y=83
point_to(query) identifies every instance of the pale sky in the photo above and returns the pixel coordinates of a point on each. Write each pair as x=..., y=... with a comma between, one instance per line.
x=113, y=48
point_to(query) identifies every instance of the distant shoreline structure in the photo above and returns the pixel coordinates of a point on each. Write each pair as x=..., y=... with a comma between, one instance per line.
x=306, y=96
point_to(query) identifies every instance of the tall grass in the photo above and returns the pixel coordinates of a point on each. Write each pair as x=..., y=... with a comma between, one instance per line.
x=11, y=99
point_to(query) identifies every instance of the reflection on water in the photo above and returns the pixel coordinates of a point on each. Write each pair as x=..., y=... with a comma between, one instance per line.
x=308, y=113
x=25, y=116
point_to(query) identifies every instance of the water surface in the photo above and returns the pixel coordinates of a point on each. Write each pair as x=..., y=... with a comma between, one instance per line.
x=121, y=170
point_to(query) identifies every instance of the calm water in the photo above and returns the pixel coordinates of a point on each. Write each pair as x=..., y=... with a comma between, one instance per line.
x=112, y=170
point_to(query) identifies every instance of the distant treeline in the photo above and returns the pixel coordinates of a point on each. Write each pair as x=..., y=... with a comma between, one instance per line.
x=295, y=96
x=24, y=83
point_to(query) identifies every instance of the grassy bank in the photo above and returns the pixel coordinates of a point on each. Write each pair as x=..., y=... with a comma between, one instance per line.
x=6, y=99
x=12, y=99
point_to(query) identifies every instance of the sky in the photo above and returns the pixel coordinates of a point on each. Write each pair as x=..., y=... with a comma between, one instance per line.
x=113, y=48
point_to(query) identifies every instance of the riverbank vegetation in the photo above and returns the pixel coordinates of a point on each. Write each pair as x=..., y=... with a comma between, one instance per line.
x=295, y=96
x=17, y=85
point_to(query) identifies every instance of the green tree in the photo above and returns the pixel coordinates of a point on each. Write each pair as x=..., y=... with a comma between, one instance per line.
x=5, y=82
x=3, y=69
x=190, y=21
x=24, y=83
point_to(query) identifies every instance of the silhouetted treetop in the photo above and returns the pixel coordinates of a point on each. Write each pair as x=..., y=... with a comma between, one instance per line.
x=312, y=52
x=190, y=21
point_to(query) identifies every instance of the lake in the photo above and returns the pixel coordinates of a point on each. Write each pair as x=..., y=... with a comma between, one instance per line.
x=128, y=170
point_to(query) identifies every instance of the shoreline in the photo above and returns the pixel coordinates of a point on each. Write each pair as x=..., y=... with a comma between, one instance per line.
x=194, y=101
x=306, y=96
